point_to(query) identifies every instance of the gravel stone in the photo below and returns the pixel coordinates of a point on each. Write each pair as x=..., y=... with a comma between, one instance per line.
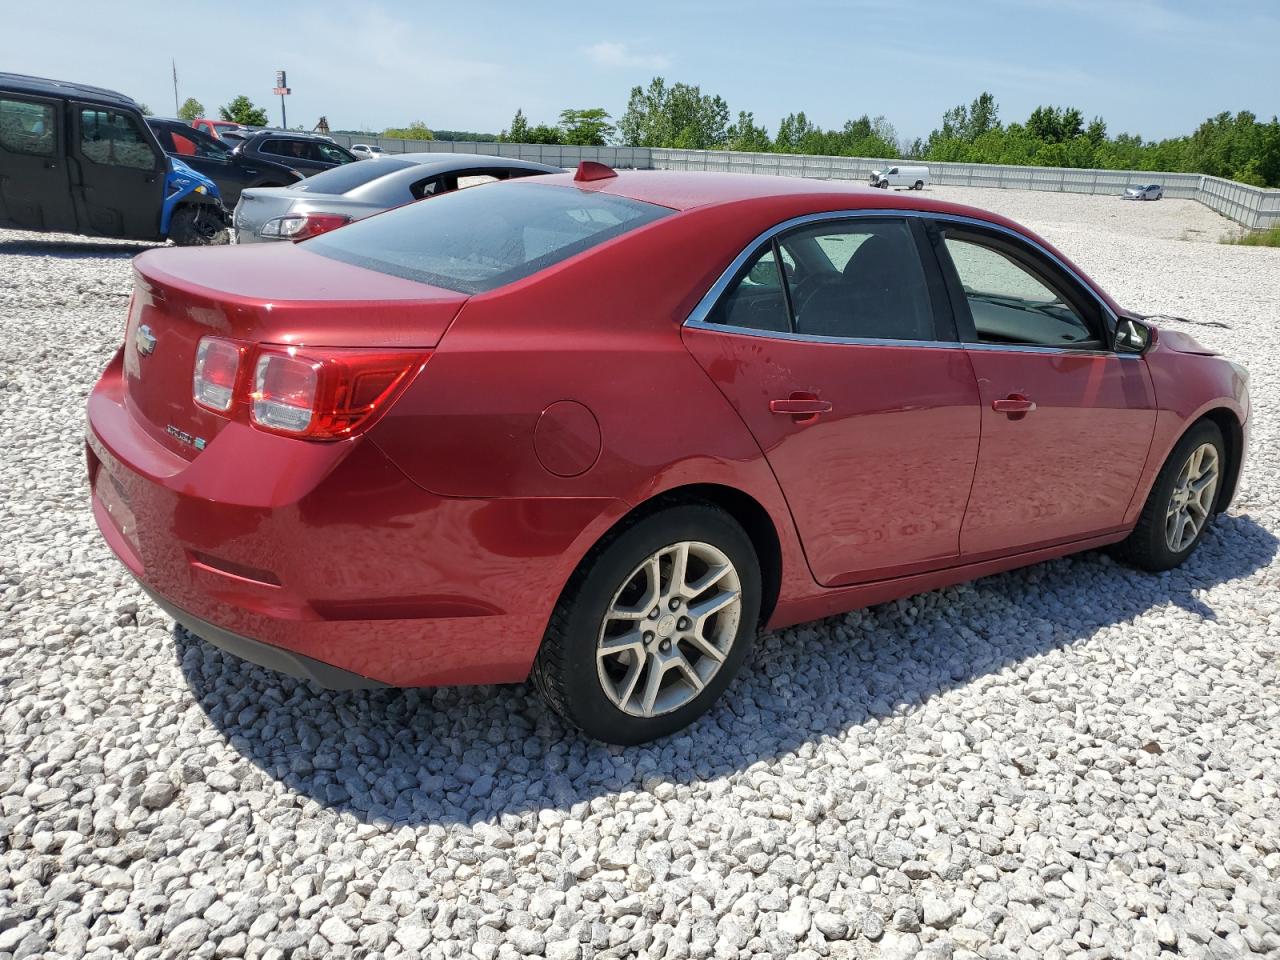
x=1071, y=760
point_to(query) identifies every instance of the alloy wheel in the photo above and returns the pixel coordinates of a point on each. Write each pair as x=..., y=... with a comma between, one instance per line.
x=668, y=629
x=1192, y=500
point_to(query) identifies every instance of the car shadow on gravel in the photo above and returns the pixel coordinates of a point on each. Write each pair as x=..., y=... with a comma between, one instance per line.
x=466, y=754
x=73, y=249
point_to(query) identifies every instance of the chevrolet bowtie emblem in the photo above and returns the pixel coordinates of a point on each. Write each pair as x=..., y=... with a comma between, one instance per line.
x=144, y=341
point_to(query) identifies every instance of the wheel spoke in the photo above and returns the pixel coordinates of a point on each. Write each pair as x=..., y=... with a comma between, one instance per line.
x=708, y=580
x=652, y=684
x=685, y=667
x=628, y=685
x=701, y=611
x=679, y=570
x=706, y=647
x=612, y=646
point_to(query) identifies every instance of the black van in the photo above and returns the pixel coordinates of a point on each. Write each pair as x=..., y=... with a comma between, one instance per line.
x=80, y=159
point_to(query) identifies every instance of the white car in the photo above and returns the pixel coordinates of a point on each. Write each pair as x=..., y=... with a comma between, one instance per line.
x=367, y=151
x=1150, y=192
x=913, y=178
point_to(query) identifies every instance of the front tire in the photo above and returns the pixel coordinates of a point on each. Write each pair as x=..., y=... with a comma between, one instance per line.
x=198, y=225
x=652, y=626
x=1181, y=502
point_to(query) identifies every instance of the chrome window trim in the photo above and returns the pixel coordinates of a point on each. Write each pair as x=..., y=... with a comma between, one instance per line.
x=698, y=316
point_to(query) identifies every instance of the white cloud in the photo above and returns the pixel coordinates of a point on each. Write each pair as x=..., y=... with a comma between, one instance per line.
x=609, y=54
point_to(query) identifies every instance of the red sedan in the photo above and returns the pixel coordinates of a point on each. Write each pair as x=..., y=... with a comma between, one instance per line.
x=600, y=429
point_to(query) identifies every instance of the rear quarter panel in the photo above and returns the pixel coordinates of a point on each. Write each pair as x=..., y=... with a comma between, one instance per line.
x=601, y=330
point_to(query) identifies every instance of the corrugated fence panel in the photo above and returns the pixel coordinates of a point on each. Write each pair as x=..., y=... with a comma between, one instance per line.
x=1246, y=205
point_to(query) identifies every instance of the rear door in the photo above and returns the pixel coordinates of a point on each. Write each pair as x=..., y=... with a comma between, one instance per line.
x=835, y=344
x=120, y=187
x=35, y=190
x=1066, y=421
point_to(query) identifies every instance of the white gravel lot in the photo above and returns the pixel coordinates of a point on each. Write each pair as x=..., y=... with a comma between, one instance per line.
x=1074, y=760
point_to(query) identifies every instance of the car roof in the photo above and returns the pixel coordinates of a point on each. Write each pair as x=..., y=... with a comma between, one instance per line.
x=41, y=86
x=297, y=134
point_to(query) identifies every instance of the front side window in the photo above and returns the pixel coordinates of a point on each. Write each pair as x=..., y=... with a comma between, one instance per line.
x=1010, y=302
x=329, y=153
x=27, y=127
x=113, y=138
x=473, y=241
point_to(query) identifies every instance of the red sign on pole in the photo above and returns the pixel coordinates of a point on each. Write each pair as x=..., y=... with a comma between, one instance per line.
x=281, y=91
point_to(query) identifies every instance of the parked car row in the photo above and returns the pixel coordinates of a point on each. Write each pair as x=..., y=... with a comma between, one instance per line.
x=80, y=159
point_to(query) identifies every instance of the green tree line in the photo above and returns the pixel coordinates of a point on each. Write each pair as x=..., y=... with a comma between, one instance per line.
x=1237, y=146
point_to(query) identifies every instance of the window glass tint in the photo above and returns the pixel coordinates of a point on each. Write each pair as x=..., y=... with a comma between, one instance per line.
x=329, y=153
x=474, y=180
x=346, y=178
x=756, y=299
x=27, y=127
x=477, y=240
x=204, y=145
x=1009, y=303
x=859, y=279
x=112, y=138
x=294, y=149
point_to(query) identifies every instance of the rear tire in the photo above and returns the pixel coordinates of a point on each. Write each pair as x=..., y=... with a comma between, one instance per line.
x=198, y=225
x=630, y=653
x=1176, y=514
x=919, y=185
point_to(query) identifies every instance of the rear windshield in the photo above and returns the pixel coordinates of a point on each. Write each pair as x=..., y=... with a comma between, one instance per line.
x=349, y=176
x=480, y=239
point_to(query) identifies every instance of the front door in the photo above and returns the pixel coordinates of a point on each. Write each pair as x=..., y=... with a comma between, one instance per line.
x=1066, y=421
x=831, y=348
x=35, y=192
x=121, y=174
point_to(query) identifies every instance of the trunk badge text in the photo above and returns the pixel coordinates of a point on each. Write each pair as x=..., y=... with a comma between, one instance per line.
x=188, y=439
x=144, y=341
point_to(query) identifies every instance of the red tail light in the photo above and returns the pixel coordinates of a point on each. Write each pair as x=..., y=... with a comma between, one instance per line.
x=301, y=226
x=315, y=393
x=214, y=382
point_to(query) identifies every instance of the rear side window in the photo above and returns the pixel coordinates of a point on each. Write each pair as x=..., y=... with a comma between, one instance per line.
x=112, y=138
x=858, y=279
x=27, y=127
x=347, y=178
x=473, y=241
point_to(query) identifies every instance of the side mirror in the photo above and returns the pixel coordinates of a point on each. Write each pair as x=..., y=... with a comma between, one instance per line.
x=1132, y=336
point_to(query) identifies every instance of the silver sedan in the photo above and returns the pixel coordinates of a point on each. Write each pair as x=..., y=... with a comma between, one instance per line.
x=356, y=190
x=1149, y=192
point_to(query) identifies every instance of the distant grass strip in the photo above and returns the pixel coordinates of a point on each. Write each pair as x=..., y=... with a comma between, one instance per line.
x=1257, y=238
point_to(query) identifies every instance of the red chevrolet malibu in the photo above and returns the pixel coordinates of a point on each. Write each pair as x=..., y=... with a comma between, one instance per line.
x=600, y=429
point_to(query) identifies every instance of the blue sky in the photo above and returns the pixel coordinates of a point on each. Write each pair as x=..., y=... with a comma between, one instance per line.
x=1155, y=67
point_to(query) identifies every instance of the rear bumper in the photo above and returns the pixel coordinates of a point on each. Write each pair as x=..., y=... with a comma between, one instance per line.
x=325, y=560
x=264, y=655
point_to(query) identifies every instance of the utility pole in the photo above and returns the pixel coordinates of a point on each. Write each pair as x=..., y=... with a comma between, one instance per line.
x=176, y=108
x=282, y=90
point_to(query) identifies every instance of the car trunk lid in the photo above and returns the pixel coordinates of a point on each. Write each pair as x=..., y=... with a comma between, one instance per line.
x=258, y=205
x=278, y=295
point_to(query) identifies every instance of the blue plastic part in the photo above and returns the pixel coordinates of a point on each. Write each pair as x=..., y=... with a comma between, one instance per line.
x=179, y=183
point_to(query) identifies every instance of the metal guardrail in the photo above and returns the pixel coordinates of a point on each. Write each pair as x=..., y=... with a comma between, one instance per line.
x=1252, y=207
